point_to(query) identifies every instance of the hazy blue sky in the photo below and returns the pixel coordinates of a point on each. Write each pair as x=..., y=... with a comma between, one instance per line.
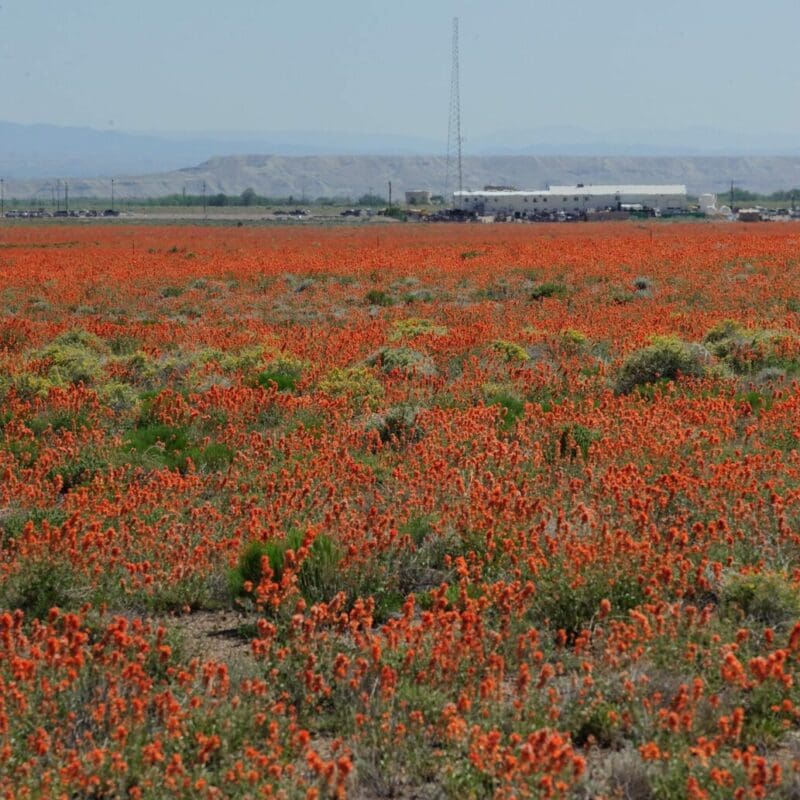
x=384, y=67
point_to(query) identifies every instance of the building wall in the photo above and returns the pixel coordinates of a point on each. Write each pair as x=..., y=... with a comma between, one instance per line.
x=547, y=202
x=418, y=197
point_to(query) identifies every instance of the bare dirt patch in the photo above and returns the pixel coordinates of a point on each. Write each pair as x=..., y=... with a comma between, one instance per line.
x=214, y=636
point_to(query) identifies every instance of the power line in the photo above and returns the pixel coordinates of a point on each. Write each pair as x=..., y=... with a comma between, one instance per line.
x=454, y=121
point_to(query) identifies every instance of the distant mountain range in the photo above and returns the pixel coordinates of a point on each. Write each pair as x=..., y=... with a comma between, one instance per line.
x=312, y=164
x=51, y=151
x=310, y=177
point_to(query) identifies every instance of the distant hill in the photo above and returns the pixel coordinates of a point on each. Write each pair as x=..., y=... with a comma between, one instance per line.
x=52, y=151
x=352, y=176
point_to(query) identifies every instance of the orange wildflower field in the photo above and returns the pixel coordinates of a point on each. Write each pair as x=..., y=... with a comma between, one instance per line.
x=487, y=511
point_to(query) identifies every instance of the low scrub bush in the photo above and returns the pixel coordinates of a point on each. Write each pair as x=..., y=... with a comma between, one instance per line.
x=284, y=371
x=511, y=352
x=511, y=404
x=357, y=383
x=666, y=358
x=403, y=359
x=554, y=289
x=768, y=598
x=409, y=328
x=43, y=583
x=377, y=297
x=575, y=439
x=398, y=422
x=746, y=351
x=569, y=604
x=318, y=576
x=156, y=444
x=76, y=356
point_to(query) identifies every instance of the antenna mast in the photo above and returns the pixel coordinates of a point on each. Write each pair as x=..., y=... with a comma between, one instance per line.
x=454, y=122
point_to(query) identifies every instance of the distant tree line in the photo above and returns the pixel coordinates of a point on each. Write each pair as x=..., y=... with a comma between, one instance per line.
x=249, y=197
x=745, y=196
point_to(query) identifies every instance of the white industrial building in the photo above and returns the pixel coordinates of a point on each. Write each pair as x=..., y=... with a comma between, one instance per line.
x=572, y=199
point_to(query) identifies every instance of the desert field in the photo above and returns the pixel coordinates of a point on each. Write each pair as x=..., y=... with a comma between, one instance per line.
x=400, y=511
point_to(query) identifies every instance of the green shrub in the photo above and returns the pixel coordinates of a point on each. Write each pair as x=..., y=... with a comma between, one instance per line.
x=284, y=371
x=576, y=438
x=161, y=445
x=746, y=351
x=73, y=364
x=283, y=382
x=124, y=345
x=13, y=522
x=170, y=446
x=723, y=332
x=418, y=296
x=665, y=359
x=246, y=359
x=565, y=606
x=498, y=291
x=621, y=296
x=140, y=369
x=42, y=583
x=215, y=457
x=159, y=436
x=511, y=352
x=404, y=359
x=28, y=385
x=397, y=422
x=409, y=328
x=318, y=578
x=549, y=289
x=58, y=420
x=512, y=405
x=78, y=337
x=767, y=597
x=418, y=526
x=118, y=396
x=79, y=469
x=377, y=297
x=596, y=723
x=357, y=383
x=249, y=568
x=574, y=336
x=75, y=357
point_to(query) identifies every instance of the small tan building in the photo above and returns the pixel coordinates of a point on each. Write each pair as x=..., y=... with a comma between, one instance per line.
x=418, y=197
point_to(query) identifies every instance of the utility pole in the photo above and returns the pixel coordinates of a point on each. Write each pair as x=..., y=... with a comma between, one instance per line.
x=454, y=122
x=2, y=198
x=112, y=194
x=390, y=195
x=66, y=197
x=731, y=195
x=58, y=195
x=204, y=199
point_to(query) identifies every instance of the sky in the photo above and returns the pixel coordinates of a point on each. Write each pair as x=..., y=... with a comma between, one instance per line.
x=374, y=66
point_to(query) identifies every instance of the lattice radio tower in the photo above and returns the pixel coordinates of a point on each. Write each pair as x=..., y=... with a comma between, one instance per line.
x=454, y=123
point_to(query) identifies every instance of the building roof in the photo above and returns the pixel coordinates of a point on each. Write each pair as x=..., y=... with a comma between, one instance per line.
x=596, y=189
x=625, y=188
